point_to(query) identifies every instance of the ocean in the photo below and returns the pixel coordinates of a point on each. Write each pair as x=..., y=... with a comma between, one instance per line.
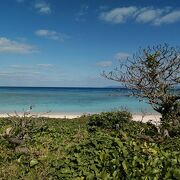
x=68, y=100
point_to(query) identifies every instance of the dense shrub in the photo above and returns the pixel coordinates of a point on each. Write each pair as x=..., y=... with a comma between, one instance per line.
x=120, y=120
x=110, y=120
x=107, y=157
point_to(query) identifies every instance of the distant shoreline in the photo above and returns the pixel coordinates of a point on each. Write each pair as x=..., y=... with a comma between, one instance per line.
x=136, y=116
x=74, y=87
x=83, y=87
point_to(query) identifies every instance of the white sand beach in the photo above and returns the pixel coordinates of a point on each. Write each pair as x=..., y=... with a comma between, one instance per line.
x=155, y=118
x=136, y=117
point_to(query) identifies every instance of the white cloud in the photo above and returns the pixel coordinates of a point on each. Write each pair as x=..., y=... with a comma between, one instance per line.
x=118, y=15
x=104, y=63
x=148, y=15
x=49, y=34
x=169, y=18
x=10, y=46
x=121, y=56
x=42, y=7
x=155, y=16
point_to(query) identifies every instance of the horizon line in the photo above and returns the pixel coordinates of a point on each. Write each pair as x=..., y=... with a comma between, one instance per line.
x=62, y=87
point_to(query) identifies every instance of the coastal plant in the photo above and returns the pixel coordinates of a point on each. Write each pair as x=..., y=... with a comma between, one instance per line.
x=153, y=75
x=48, y=141
x=122, y=121
x=65, y=149
x=103, y=156
x=19, y=129
x=109, y=120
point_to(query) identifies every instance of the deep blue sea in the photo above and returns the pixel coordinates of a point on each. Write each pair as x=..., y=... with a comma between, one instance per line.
x=68, y=100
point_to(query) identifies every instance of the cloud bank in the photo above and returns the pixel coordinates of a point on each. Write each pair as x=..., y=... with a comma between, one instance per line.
x=155, y=16
x=11, y=46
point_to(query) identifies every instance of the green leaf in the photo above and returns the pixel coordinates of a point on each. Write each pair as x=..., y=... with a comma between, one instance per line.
x=176, y=173
x=125, y=167
x=33, y=162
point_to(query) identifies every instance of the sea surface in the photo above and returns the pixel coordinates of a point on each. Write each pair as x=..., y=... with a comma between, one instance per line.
x=68, y=100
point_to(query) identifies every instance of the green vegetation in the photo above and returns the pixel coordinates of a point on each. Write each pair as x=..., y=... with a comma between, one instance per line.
x=105, y=146
x=153, y=74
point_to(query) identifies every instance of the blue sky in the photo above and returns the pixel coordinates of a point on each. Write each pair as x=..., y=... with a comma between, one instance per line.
x=70, y=42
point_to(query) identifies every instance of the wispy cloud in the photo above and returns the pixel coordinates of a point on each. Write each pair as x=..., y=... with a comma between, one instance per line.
x=11, y=46
x=81, y=15
x=26, y=70
x=42, y=7
x=104, y=63
x=30, y=74
x=155, y=16
x=49, y=34
x=30, y=67
x=46, y=65
x=118, y=15
x=103, y=7
x=20, y=1
x=171, y=17
x=117, y=56
x=20, y=71
x=148, y=15
x=121, y=56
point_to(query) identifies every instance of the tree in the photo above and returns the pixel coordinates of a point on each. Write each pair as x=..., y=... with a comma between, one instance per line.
x=153, y=74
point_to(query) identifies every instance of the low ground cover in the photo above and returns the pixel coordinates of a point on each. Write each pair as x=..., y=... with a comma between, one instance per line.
x=105, y=146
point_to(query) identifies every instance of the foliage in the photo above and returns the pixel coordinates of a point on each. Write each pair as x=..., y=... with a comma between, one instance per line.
x=120, y=157
x=153, y=74
x=45, y=145
x=110, y=120
x=122, y=120
x=66, y=149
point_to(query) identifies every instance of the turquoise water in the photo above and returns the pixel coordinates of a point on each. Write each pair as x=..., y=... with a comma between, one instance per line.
x=68, y=100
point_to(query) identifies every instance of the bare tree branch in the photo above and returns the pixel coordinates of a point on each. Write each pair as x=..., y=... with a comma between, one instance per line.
x=152, y=73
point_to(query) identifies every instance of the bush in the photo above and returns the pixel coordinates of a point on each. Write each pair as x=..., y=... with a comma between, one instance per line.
x=120, y=120
x=109, y=120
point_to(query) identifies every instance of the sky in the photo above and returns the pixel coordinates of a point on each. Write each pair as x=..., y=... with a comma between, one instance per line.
x=68, y=43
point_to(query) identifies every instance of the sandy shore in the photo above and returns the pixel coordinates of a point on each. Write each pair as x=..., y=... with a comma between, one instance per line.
x=155, y=118
x=49, y=115
x=136, y=117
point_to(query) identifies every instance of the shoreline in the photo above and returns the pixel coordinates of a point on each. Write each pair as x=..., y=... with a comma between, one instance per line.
x=144, y=117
